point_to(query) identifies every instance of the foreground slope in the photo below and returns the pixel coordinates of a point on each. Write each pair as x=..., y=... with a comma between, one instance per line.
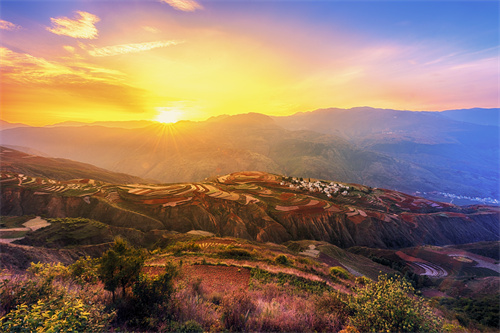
x=259, y=206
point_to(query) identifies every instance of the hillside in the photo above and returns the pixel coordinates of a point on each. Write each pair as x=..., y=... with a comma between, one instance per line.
x=259, y=206
x=230, y=284
x=244, y=251
x=57, y=168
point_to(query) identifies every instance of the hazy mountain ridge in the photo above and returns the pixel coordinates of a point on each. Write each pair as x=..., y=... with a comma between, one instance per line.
x=403, y=150
x=57, y=168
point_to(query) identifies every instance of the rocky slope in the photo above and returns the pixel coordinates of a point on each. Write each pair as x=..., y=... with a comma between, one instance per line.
x=262, y=207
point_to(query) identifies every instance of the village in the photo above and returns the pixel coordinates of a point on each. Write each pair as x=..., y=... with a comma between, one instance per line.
x=329, y=189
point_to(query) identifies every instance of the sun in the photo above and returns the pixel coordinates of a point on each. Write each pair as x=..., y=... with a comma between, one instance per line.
x=168, y=115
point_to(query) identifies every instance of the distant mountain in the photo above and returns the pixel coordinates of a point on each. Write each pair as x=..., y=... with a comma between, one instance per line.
x=402, y=150
x=259, y=206
x=57, y=168
x=6, y=125
x=119, y=124
x=463, y=155
x=27, y=150
x=192, y=151
x=477, y=116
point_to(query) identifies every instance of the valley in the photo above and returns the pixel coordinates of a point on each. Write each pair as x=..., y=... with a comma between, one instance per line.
x=238, y=237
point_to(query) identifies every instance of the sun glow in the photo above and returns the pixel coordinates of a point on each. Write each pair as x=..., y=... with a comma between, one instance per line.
x=168, y=115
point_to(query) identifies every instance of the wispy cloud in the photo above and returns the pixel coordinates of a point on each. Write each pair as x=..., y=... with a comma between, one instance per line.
x=131, y=48
x=23, y=74
x=25, y=68
x=151, y=29
x=82, y=26
x=184, y=5
x=6, y=25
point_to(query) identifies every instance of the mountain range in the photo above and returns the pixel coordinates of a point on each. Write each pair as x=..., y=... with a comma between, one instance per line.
x=453, y=152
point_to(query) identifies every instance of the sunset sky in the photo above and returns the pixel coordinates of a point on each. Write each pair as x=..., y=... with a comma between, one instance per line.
x=186, y=59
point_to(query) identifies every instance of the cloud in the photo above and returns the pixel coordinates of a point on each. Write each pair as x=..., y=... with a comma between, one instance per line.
x=26, y=75
x=82, y=26
x=184, y=5
x=6, y=25
x=131, y=48
x=151, y=29
x=25, y=68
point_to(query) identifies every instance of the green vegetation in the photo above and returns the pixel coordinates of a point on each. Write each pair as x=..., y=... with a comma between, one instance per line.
x=14, y=221
x=120, y=266
x=390, y=305
x=273, y=291
x=45, y=304
x=67, y=232
x=236, y=254
x=297, y=282
x=282, y=260
x=484, y=311
x=339, y=272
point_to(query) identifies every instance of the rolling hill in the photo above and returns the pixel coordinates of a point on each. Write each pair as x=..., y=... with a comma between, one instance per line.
x=258, y=206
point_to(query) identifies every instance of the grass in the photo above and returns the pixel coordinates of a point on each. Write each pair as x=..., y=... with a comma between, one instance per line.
x=14, y=221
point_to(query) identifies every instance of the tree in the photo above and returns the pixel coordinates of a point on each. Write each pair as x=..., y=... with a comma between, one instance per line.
x=120, y=266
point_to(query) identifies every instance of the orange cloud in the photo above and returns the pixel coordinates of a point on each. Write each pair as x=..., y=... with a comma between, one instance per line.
x=184, y=5
x=52, y=86
x=6, y=25
x=82, y=26
x=131, y=48
x=25, y=68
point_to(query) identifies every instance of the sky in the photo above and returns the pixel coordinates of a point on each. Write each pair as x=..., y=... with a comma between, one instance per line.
x=172, y=60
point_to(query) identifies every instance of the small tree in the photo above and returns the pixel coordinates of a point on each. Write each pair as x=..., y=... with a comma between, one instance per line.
x=150, y=293
x=120, y=266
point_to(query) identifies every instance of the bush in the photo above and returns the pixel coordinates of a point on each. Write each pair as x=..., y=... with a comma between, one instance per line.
x=235, y=254
x=150, y=292
x=282, y=260
x=49, y=271
x=390, y=305
x=19, y=291
x=43, y=304
x=362, y=280
x=56, y=315
x=339, y=272
x=84, y=270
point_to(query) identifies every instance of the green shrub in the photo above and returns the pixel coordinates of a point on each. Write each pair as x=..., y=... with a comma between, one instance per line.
x=282, y=260
x=294, y=281
x=390, y=305
x=362, y=280
x=339, y=272
x=178, y=248
x=14, y=292
x=189, y=326
x=235, y=254
x=84, y=270
x=66, y=314
x=50, y=271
